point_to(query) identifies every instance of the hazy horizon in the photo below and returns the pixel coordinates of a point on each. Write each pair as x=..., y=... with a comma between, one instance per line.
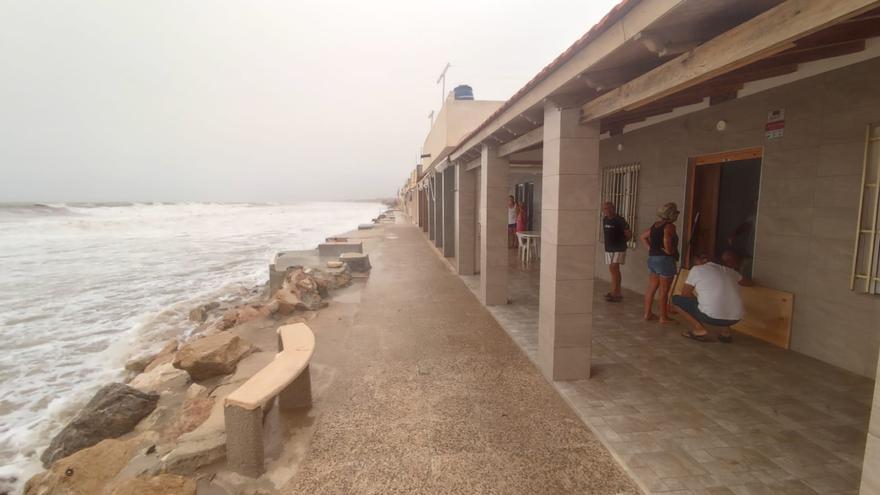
x=267, y=101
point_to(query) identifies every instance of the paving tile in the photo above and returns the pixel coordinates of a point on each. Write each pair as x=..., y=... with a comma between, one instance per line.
x=745, y=419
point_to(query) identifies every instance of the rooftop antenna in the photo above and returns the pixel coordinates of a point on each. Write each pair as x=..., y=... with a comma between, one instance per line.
x=443, y=79
x=431, y=118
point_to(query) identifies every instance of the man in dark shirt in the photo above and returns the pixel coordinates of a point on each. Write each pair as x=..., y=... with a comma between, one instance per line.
x=617, y=234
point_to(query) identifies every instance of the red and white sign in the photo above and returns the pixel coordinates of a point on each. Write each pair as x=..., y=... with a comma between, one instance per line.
x=775, y=127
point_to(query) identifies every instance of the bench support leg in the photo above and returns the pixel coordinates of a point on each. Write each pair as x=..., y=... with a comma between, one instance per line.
x=244, y=440
x=298, y=394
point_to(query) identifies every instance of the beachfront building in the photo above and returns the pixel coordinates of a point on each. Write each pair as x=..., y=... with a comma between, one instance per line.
x=760, y=118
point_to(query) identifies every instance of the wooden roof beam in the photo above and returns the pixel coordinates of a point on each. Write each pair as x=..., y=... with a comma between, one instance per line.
x=664, y=49
x=765, y=35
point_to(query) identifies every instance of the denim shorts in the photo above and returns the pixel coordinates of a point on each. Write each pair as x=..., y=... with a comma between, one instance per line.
x=663, y=266
x=691, y=306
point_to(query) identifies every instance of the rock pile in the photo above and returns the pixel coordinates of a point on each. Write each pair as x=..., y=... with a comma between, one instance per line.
x=114, y=411
x=212, y=356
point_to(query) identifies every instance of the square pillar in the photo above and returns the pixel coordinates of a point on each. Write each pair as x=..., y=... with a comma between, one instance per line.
x=871, y=464
x=244, y=440
x=429, y=193
x=493, y=227
x=449, y=211
x=570, y=212
x=438, y=210
x=465, y=220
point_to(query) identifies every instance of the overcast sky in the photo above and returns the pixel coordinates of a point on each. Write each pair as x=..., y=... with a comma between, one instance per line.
x=218, y=100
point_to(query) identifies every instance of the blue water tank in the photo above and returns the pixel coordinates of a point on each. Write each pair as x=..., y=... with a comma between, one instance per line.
x=463, y=92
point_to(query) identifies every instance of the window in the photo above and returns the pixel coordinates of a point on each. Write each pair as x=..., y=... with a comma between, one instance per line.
x=620, y=185
x=865, y=276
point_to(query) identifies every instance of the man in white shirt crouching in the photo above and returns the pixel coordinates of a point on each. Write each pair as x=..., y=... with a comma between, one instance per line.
x=710, y=297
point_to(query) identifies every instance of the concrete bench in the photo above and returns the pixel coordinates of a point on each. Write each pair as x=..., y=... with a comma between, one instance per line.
x=334, y=249
x=286, y=377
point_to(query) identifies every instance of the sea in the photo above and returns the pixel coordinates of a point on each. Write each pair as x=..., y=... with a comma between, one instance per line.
x=84, y=287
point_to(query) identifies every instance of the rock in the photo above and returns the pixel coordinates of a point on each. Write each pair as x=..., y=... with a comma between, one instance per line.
x=192, y=415
x=164, y=484
x=212, y=356
x=114, y=411
x=270, y=308
x=85, y=472
x=229, y=319
x=288, y=303
x=331, y=279
x=193, y=454
x=299, y=292
x=304, y=287
x=357, y=262
x=198, y=314
x=139, y=364
x=247, y=313
x=160, y=378
x=195, y=390
x=166, y=355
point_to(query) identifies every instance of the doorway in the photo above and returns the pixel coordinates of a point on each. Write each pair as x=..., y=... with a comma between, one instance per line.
x=525, y=194
x=722, y=206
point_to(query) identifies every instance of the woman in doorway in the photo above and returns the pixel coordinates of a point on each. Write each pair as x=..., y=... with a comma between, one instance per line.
x=662, y=243
x=520, y=217
x=511, y=222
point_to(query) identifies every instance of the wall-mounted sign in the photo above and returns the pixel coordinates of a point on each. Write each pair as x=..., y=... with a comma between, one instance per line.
x=775, y=126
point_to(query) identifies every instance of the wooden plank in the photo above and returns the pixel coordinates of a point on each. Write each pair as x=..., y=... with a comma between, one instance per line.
x=768, y=312
x=768, y=34
x=527, y=140
x=729, y=156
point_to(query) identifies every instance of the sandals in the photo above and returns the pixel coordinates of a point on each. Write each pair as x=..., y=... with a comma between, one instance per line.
x=691, y=335
x=726, y=339
x=612, y=298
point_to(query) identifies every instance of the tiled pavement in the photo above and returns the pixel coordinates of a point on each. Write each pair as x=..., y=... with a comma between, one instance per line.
x=687, y=417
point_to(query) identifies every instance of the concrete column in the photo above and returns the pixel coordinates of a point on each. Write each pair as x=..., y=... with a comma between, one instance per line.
x=430, y=195
x=493, y=227
x=438, y=210
x=871, y=462
x=449, y=211
x=244, y=440
x=570, y=212
x=298, y=394
x=465, y=221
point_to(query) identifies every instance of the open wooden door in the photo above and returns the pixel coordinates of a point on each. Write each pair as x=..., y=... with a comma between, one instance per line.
x=722, y=188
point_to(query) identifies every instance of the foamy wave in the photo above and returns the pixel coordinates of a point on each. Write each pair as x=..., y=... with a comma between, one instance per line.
x=86, y=286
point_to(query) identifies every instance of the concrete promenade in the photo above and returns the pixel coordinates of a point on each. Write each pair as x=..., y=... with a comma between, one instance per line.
x=419, y=390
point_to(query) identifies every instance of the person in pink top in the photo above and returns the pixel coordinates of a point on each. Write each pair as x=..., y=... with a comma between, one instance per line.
x=520, y=217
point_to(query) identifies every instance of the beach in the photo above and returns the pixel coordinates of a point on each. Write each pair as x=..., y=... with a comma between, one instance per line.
x=87, y=287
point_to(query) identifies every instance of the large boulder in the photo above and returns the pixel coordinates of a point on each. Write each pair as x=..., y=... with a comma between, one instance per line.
x=164, y=484
x=166, y=355
x=86, y=472
x=114, y=411
x=212, y=356
x=163, y=377
x=331, y=279
x=300, y=291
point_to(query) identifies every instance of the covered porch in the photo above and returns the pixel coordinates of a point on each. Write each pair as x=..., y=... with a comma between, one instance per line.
x=689, y=417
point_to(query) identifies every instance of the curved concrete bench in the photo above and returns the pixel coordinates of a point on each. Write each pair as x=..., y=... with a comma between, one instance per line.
x=286, y=377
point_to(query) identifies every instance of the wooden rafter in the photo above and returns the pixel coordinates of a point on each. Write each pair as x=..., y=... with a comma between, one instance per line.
x=768, y=34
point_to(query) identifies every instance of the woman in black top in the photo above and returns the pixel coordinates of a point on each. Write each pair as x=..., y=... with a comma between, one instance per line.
x=662, y=243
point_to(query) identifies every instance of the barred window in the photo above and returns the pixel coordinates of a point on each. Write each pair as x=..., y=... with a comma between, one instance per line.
x=865, y=275
x=620, y=185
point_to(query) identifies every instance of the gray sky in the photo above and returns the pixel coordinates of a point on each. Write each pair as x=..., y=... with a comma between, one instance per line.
x=218, y=100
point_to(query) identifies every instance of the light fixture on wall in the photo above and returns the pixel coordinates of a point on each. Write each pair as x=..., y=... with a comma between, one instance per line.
x=721, y=125
x=619, y=146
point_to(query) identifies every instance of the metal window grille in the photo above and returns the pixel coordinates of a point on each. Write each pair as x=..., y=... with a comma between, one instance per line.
x=620, y=185
x=865, y=275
